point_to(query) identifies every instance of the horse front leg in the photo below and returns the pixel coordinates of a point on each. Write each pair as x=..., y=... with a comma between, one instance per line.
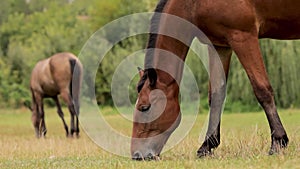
x=249, y=54
x=36, y=120
x=43, y=129
x=219, y=63
x=37, y=116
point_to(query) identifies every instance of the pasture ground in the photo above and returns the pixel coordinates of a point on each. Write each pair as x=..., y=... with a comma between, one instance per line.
x=245, y=140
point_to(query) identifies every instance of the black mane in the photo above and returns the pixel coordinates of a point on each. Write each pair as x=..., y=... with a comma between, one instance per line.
x=149, y=70
x=154, y=26
x=155, y=23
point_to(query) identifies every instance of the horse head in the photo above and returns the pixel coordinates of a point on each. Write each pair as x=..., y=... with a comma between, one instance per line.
x=156, y=115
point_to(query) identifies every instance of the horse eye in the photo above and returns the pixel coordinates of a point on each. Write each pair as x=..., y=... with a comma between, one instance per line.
x=145, y=108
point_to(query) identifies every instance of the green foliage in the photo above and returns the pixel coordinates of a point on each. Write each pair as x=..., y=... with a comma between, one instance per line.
x=109, y=65
x=29, y=37
x=281, y=58
x=107, y=11
x=4, y=8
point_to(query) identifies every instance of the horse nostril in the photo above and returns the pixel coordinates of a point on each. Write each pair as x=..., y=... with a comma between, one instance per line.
x=150, y=157
x=137, y=156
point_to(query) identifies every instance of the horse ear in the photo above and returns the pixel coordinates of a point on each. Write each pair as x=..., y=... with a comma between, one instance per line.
x=152, y=76
x=141, y=72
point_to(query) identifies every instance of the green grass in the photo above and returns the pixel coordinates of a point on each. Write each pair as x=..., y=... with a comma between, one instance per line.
x=245, y=141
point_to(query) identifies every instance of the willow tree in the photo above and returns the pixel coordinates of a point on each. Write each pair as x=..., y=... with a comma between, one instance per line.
x=282, y=63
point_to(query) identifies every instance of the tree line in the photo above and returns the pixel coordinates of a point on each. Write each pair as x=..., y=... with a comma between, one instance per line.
x=31, y=30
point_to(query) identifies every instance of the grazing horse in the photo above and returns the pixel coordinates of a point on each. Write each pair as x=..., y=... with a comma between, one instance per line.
x=60, y=74
x=231, y=26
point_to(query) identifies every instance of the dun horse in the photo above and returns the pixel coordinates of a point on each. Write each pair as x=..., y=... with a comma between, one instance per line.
x=58, y=75
x=231, y=26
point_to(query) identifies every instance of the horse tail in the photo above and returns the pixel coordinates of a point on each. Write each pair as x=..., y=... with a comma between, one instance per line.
x=75, y=82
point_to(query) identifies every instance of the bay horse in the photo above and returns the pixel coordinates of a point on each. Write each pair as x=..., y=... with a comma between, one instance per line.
x=60, y=74
x=230, y=26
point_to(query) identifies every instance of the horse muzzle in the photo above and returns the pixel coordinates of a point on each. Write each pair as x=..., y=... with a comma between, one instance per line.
x=138, y=156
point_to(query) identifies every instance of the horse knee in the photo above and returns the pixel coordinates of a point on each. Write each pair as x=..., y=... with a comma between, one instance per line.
x=35, y=118
x=60, y=113
x=217, y=97
x=72, y=109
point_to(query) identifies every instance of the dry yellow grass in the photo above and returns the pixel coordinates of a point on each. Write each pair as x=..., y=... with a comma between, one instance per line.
x=245, y=143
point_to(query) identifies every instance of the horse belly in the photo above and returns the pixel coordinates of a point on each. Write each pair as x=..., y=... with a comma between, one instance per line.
x=278, y=19
x=50, y=89
x=280, y=29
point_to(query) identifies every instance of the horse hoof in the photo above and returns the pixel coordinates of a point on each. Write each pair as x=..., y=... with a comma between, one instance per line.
x=278, y=144
x=203, y=152
x=271, y=152
x=77, y=136
x=70, y=136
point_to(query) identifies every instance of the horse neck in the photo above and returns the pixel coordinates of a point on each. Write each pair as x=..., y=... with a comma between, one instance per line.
x=171, y=36
x=169, y=57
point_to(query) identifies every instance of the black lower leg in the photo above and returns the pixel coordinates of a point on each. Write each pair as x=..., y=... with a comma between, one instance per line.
x=211, y=142
x=61, y=115
x=278, y=134
x=77, y=126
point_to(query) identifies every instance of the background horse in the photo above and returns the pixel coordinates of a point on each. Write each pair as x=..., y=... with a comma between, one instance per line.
x=230, y=26
x=59, y=74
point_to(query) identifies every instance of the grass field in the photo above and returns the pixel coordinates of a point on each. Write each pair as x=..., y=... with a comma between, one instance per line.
x=245, y=142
